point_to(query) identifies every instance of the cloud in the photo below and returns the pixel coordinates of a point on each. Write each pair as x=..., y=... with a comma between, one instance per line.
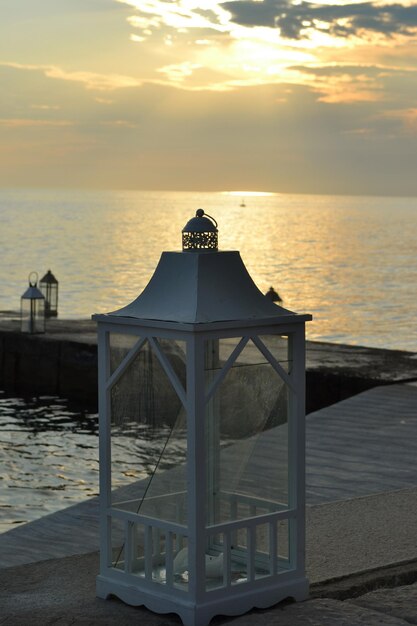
x=119, y=124
x=285, y=96
x=24, y=123
x=345, y=83
x=408, y=118
x=339, y=20
x=276, y=137
x=90, y=80
x=154, y=14
x=51, y=8
x=177, y=72
x=222, y=46
x=45, y=107
x=104, y=101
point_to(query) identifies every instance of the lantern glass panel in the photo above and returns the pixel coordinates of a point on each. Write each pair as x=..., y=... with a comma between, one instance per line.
x=50, y=291
x=54, y=297
x=120, y=346
x=225, y=348
x=246, y=437
x=215, y=563
x=32, y=315
x=283, y=544
x=117, y=535
x=263, y=555
x=279, y=347
x=149, y=541
x=180, y=562
x=148, y=429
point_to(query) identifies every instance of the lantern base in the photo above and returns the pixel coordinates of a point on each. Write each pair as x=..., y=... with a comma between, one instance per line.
x=200, y=614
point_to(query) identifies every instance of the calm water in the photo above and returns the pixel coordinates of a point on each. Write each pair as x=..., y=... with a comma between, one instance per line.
x=49, y=456
x=350, y=261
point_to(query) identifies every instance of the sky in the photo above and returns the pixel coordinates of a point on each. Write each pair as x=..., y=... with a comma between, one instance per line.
x=265, y=95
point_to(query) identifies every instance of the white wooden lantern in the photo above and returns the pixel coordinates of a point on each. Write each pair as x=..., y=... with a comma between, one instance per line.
x=201, y=401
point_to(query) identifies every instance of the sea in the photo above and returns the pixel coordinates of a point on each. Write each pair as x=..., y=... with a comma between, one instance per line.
x=350, y=261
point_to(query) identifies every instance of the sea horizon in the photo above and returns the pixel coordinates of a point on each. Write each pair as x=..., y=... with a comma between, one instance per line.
x=350, y=261
x=254, y=192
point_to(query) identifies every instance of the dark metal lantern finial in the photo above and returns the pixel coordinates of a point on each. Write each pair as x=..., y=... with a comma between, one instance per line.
x=200, y=233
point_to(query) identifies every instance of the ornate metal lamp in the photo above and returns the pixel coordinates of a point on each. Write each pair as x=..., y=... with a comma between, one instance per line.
x=32, y=308
x=200, y=233
x=49, y=287
x=201, y=401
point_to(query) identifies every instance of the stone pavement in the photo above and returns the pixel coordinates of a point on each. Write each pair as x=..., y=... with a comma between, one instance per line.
x=62, y=592
x=342, y=538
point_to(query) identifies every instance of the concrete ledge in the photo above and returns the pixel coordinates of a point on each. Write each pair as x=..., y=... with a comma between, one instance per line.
x=335, y=372
x=63, y=362
x=359, y=535
x=356, y=585
x=343, y=537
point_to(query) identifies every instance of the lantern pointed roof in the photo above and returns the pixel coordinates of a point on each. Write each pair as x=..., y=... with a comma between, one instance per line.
x=201, y=287
x=49, y=278
x=32, y=292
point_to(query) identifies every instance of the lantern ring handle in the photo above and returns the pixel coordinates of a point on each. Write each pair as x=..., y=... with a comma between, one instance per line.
x=33, y=281
x=201, y=212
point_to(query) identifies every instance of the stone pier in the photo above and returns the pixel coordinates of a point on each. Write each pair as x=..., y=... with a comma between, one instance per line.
x=63, y=362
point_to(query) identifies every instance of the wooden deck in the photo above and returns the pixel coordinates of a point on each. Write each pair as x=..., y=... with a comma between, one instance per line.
x=363, y=445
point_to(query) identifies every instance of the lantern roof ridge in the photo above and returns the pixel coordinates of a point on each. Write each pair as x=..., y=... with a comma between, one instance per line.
x=33, y=293
x=201, y=288
x=202, y=222
x=48, y=278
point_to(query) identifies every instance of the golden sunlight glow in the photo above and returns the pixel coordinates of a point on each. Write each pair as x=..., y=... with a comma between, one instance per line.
x=226, y=55
x=253, y=51
x=289, y=95
x=247, y=194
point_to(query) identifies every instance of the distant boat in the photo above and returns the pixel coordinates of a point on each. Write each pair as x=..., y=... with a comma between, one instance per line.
x=242, y=203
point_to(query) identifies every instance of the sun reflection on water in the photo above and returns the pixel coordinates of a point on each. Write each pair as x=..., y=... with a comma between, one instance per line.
x=347, y=260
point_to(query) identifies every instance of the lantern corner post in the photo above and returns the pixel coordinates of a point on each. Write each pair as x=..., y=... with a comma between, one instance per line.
x=196, y=466
x=103, y=357
x=298, y=444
